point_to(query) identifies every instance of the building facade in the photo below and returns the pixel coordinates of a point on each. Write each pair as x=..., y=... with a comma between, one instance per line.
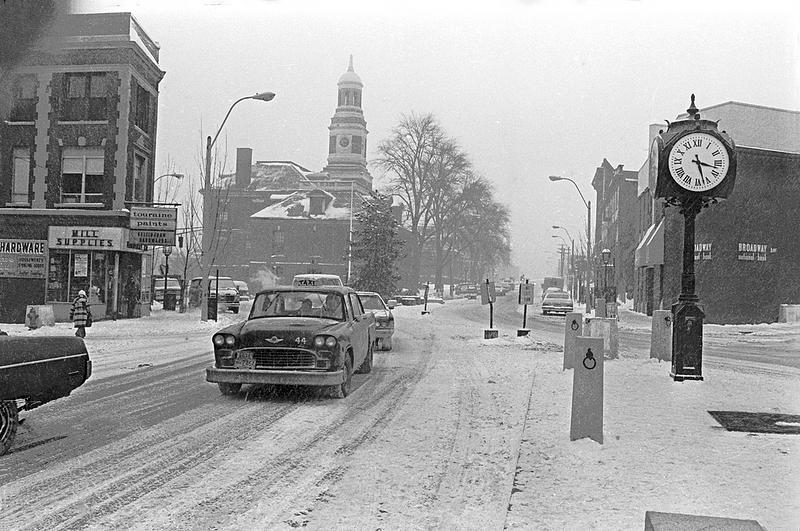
x=75, y=150
x=747, y=257
x=615, y=230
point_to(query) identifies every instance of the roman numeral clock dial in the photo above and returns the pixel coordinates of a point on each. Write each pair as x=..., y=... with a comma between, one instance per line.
x=698, y=162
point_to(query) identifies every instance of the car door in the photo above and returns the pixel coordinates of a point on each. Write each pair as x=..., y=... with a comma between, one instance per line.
x=361, y=333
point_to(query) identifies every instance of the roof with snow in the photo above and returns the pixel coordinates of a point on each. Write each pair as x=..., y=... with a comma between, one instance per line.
x=267, y=175
x=297, y=205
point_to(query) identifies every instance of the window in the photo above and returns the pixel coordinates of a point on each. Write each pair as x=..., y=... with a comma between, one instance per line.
x=332, y=144
x=141, y=112
x=139, y=178
x=278, y=237
x=82, y=175
x=84, y=97
x=22, y=175
x=316, y=206
x=355, y=146
x=24, y=97
x=355, y=303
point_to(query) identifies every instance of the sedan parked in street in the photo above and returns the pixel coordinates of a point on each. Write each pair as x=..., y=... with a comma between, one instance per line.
x=384, y=320
x=296, y=336
x=556, y=302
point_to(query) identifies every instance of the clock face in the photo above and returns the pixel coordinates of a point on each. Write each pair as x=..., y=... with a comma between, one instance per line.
x=344, y=141
x=655, y=150
x=698, y=162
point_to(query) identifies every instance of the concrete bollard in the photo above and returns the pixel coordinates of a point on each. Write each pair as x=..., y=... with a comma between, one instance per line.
x=608, y=329
x=587, y=390
x=599, y=307
x=573, y=327
x=661, y=335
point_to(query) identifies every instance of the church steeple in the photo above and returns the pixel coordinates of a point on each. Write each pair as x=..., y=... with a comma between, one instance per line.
x=347, y=147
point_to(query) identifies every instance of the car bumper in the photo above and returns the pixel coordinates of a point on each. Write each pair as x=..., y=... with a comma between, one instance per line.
x=556, y=309
x=248, y=376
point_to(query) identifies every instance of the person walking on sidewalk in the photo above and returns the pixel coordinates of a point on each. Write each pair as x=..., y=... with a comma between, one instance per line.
x=81, y=314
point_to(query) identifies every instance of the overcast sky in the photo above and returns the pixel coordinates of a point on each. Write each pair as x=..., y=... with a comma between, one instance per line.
x=530, y=89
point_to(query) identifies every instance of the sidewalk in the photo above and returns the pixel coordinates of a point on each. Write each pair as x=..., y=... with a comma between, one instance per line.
x=662, y=450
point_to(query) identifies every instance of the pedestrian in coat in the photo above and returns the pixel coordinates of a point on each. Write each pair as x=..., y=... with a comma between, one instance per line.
x=80, y=313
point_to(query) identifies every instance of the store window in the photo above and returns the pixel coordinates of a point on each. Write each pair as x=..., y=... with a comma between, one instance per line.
x=85, y=97
x=24, y=97
x=82, y=175
x=22, y=176
x=72, y=271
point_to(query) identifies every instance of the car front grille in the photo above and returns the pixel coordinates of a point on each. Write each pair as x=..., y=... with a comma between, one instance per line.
x=283, y=358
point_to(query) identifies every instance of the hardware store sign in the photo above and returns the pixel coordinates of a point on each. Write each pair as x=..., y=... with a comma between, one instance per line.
x=23, y=258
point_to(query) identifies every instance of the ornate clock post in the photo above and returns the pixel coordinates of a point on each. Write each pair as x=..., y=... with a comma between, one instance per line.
x=696, y=167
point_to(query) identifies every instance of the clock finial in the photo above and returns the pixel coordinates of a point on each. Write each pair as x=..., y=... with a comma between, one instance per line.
x=693, y=111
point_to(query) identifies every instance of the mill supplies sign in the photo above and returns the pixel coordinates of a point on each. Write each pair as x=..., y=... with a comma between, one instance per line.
x=153, y=225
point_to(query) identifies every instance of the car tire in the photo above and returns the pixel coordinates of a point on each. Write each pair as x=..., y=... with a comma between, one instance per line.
x=229, y=389
x=366, y=365
x=9, y=421
x=343, y=389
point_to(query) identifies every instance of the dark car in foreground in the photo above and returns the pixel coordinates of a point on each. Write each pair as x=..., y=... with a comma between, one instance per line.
x=384, y=319
x=556, y=302
x=296, y=336
x=34, y=371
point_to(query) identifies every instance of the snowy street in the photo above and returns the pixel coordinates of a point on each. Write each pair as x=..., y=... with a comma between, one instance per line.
x=449, y=431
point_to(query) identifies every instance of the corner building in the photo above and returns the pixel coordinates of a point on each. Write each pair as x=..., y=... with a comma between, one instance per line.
x=76, y=149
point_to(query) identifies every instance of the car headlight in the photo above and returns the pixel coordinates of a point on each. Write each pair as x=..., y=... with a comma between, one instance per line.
x=325, y=341
x=219, y=340
x=230, y=340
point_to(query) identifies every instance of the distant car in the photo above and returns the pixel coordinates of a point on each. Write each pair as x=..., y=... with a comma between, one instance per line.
x=296, y=336
x=173, y=288
x=556, y=302
x=471, y=291
x=409, y=300
x=316, y=279
x=551, y=290
x=227, y=292
x=384, y=319
x=244, y=291
x=435, y=300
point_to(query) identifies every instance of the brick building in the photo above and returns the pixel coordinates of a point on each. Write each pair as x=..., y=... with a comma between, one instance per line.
x=746, y=250
x=615, y=228
x=78, y=144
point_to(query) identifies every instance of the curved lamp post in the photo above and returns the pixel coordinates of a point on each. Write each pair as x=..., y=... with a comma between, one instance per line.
x=204, y=258
x=572, y=260
x=588, y=238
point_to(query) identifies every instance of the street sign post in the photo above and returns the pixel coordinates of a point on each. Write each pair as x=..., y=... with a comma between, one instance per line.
x=525, y=298
x=488, y=297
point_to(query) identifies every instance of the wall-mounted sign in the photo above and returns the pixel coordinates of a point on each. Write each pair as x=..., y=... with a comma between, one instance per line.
x=87, y=238
x=23, y=258
x=702, y=251
x=753, y=252
x=153, y=225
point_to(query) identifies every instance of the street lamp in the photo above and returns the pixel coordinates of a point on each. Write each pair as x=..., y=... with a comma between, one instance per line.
x=572, y=261
x=588, y=237
x=606, y=256
x=167, y=252
x=204, y=257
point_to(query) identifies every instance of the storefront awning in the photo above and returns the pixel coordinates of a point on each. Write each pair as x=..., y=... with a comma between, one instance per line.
x=650, y=251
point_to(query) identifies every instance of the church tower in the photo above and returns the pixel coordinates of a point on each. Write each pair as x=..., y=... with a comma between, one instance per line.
x=347, y=143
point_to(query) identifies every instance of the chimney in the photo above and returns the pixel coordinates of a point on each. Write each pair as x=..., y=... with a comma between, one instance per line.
x=244, y=162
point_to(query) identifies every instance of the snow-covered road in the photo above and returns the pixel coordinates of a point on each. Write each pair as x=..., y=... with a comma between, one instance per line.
x=449, y=431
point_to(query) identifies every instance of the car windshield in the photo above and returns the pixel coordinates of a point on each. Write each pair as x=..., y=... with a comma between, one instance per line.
x=172, y=283
x=372, y=302
x=557, y=295
x=298, y=304
x=224, y=283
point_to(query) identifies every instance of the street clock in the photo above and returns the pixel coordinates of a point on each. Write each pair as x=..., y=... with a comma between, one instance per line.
x=692, y=159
